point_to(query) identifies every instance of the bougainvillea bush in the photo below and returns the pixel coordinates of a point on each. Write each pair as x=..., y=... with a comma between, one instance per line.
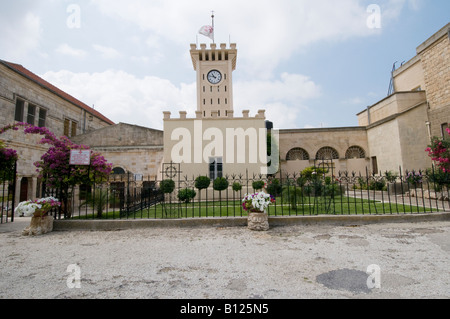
x=54, y=165
x=7, y=159
x=439, y=151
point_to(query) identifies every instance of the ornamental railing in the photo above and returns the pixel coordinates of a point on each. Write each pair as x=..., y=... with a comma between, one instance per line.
x=330, y=193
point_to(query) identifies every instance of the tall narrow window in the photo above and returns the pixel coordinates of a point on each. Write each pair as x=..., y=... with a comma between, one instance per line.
x=215, y=167
x=31, y=114
x=66, y=127
x=74, y=129
x=42, y=117
x=18, y=116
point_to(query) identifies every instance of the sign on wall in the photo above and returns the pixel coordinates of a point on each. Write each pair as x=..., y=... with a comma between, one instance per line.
x=80, y=157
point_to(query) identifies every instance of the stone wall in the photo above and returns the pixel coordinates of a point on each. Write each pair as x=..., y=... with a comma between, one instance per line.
x=435, y=56
x=13, y=86
x=133, y=148
x=312, y=140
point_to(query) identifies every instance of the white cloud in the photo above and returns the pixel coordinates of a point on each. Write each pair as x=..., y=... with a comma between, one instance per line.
x=122, y=97
x=283, y=99
x=20, y=37
x=267, y=33
x=106, y=52
x=68, y=50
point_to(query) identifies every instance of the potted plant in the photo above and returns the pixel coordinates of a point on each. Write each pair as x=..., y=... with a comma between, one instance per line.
x=257, y=205
x=41, y=221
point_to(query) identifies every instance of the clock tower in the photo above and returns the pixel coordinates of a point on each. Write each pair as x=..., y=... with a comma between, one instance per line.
x=214, y=67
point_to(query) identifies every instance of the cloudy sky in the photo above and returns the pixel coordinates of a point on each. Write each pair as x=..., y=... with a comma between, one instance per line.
x=308, y=63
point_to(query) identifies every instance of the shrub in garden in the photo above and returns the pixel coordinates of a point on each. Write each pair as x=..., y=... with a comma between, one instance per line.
x=167, y=186
x=237, y=187
x=439, y=151
x=202, y=182
x=438, y=178
x=220, y=184
x=186, y=195
x=258, y=185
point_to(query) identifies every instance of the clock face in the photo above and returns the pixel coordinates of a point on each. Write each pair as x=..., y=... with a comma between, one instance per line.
x=214, y=77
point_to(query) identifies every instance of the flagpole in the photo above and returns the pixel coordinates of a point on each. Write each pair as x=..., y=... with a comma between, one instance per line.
x=214, y=30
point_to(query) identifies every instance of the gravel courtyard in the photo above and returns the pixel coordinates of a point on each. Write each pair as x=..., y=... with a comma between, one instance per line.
x=292, y=262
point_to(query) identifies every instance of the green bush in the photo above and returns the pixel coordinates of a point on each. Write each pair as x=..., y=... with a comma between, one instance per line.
x=202, y=182
x=186, y=195
x=258, y=185
x=237, y=187
x=220, y=184
x=313, y=172
x=437, y=178
x=377, y=185
x=167, y=186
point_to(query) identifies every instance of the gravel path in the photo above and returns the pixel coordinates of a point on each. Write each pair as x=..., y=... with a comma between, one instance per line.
x=295, y=262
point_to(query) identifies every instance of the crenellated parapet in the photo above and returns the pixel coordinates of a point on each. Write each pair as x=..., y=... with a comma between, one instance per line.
x=261, y=114
x=214, y=53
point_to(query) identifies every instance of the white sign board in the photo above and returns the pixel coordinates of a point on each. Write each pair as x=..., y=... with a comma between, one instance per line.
x=80, y=157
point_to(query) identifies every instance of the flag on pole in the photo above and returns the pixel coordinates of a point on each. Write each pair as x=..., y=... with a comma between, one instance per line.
x=207, y=31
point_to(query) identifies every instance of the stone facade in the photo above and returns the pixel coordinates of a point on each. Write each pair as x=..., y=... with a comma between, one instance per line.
x=134, y=149
x=25, y=97
x=301, y=148
x=435, y=57
x=399, y=127
x=232, y=146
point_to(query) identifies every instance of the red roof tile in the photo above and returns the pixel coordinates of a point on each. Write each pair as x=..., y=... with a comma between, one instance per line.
x=33, y=77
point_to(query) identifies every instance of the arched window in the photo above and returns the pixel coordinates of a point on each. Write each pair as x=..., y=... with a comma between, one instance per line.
x=355, y=152
x=327, y=153
x=297, y=154
x=118, y=171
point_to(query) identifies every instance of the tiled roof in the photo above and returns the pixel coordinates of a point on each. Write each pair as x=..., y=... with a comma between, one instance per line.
x=33, y=77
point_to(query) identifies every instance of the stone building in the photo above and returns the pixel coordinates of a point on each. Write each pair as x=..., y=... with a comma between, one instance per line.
x=25, y=97
x=391, y=134
x=215, y=143
x=132, y=149
x=339, y=149
x=394, y=132
x=400, y=127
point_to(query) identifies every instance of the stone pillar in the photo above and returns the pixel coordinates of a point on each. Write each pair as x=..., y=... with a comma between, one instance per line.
x=33, y=188
x=17, y=190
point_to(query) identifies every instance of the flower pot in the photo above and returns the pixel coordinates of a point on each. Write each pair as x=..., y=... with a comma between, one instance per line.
x=258, y=221
x=40, y=225
x=40, y=213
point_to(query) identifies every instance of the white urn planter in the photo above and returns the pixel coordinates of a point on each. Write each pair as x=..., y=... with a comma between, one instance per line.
x=40, y=224
x=258, y=221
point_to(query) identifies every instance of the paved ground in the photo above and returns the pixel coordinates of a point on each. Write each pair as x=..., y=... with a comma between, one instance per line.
x=293, y=262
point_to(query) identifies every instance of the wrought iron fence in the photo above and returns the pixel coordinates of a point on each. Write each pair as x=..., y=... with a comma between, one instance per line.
x=317, y=193
x=7, y=193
